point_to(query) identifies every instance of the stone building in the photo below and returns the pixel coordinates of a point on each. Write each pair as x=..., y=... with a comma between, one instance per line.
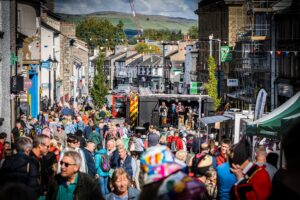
x=286, y=51
x=222, y=19
x=74, y=62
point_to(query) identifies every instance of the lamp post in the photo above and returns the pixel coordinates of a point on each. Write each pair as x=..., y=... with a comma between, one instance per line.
x=54, y=66
x=211, y=38
x=49, y=84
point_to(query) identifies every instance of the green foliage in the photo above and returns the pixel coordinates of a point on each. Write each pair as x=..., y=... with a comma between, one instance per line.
x=162, y=34
x=99, y=90
x=100, y=32
x=147, y=48
x=193, y=32
x=212, y=85
x=146, y=22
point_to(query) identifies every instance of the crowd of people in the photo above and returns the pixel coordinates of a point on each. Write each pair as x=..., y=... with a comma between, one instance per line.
x=78, y=153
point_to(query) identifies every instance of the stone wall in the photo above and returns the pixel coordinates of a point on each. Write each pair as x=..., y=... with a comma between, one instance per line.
x=6, y=42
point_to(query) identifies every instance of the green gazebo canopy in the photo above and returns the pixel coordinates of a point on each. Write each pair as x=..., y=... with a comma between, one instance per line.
x=271, y=124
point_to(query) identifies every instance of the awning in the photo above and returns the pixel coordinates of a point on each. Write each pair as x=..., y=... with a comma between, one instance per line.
x=286, y=122
x=214, y=119
x=271, y=123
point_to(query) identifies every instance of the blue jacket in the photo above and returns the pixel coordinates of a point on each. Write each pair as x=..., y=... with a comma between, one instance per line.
x=133, y=194
x=126, y=165
x=226, y=180
x=80, y=126
x=87, y=131
x=98, y=160
x=89, y=159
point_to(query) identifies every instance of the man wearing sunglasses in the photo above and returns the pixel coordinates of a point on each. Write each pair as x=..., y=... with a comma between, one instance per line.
x=71, y=183
x=72, y=145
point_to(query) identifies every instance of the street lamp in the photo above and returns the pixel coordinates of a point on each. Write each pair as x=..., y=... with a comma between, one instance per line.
x=54, y=66
x=211, y=38
x=49, y=88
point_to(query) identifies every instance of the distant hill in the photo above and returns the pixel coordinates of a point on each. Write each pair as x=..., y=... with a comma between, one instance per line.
x=146, y=21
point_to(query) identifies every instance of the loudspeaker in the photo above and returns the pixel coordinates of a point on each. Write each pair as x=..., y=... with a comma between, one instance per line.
x=17, y=84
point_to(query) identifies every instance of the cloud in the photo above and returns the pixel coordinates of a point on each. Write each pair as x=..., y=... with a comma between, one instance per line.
x=173, y=8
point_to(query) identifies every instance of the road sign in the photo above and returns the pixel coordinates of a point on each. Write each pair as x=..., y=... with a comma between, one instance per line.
x=226, y=54
x=27, y=84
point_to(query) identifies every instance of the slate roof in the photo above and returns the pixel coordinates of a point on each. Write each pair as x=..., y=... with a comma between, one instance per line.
x=123, y=59
x=136, y=62
x=156, y=60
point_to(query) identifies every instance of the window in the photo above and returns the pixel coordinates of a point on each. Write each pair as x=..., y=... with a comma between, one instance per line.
x=141, y=71
x=156, y=71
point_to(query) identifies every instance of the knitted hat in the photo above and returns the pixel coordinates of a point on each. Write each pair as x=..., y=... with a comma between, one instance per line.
x=158, y=163
x=181, y=186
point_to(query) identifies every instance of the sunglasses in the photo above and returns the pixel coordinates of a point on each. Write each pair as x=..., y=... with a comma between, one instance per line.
x=65, y=164
x=45, y=145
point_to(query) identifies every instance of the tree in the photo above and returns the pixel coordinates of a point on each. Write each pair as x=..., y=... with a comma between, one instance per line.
x=99, y=90
x=193, y=32
x=100, y=32
x=162, y=34
x=147, y=48
x=212, y=85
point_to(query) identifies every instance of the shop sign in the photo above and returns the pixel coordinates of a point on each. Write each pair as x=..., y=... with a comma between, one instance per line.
x=232, y=82
x=285, y=90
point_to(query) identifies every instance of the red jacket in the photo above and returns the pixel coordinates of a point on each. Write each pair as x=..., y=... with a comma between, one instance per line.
x=220, y=159
x=257, y=187
x=178, y=140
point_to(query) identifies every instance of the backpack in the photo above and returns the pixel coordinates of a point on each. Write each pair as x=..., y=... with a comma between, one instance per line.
x=105, y=163
x=173, y=146
x=195, y=162
x=189, y=142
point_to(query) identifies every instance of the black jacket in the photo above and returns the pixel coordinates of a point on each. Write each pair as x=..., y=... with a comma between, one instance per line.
x=20, y=168
x=86, y=189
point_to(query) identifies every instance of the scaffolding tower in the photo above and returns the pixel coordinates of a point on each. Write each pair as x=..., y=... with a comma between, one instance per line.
x=252, y=51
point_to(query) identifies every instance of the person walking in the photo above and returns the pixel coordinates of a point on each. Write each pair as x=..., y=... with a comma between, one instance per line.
x=19, y=168
x=121, y=184
x=102, y=164
x=70, y=183
x=88, y=151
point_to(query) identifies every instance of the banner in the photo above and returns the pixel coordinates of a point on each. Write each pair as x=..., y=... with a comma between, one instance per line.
x=226, y=54
x=195, y=87
x=260, y=103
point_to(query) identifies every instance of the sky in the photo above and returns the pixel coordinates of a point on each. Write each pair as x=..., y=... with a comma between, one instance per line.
x=172, y=8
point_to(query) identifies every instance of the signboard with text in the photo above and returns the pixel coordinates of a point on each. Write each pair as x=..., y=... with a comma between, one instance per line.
x=45, y=64
x=232, y=82
x=195, y=87
x=226, y=54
